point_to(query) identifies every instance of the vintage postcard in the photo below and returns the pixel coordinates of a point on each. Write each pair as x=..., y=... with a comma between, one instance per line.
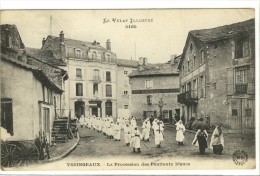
x=139, y=89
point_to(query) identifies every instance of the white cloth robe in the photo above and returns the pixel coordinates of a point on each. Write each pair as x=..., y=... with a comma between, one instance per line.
x=180, y=128
x=135, y=139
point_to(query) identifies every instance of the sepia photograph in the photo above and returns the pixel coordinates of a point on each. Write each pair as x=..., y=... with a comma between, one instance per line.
x=128, y=89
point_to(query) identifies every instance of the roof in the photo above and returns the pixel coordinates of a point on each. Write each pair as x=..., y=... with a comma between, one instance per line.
x=11, y=57
x=127, y=63
x=222, y=32
x=78, y=44
x=165, y=69
x=46, y=56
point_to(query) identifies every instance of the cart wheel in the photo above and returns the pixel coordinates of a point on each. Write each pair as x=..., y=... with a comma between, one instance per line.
x=10, y=153
x=29, y=154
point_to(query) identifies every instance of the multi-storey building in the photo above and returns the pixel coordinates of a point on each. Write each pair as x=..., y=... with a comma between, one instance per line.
x=31, y=89
x=154, y=89
x=94, y=85
x=217, y=76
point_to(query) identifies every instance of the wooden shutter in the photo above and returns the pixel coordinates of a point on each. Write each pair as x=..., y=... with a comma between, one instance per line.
x=230, y=81
x=251, y=81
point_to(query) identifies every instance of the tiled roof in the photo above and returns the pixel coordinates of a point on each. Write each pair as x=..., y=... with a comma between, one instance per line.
x=78, y=44
x=218, y=33
x=45, y=55
x=127, y=63
x=155, y=70
x=12, y=57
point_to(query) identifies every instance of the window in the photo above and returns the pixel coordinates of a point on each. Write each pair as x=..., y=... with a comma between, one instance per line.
x=191, y=47
x=108, y=57
x=149, y=99
x=234, y=112
x=108, y=76
x=149, y=84
x=78, y=73
x=43, y=93
x=108, y=106
x=125, y=106
x=79, y=89
x=194, y=61
x=241, y=75
x=94, y=55
x=241, y=80
x=108, y=91
x=248, y=112
x=201, y=56
x=202, y=86
x=96, y=75
x=188, y=63
x=78, y=53
x=103, y=57
x=242, y=48
x=95, y=89
x=125, y=92
x=183, y=70
x=125, y=72
x=7, y=115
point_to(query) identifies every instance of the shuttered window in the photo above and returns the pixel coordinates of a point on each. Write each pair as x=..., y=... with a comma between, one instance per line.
x=79, y=89
x=108, y=76
x=108, y=91
x=108, y=106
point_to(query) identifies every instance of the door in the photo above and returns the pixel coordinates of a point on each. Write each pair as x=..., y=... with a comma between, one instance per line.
x=79, y=108
x=7, y=115
x=46, y=122
x=236, y=114
x=95, y=111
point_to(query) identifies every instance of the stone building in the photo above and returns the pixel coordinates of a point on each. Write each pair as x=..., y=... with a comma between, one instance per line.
x=217, y=76
x=154, y=89
x=31, y=90
x=94, y=71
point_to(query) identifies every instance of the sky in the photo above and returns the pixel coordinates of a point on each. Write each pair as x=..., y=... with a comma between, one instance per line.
x=163, y=33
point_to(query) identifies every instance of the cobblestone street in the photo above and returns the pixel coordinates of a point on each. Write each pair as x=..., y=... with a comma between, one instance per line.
x=94, y=144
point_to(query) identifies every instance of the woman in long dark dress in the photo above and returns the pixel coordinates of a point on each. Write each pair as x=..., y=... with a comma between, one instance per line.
x=200, y=140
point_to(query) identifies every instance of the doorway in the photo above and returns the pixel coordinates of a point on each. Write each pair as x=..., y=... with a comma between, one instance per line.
x=79, y=108
x=7, y=115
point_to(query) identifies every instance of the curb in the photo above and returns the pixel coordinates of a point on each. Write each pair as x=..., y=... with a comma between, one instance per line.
x=65, y=153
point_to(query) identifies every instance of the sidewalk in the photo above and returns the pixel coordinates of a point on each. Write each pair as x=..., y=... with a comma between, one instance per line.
x=61, y=150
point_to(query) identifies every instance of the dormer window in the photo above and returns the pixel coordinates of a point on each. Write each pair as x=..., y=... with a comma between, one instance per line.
x=191, y=47
x=78, y=53
x=94, y=55
x=108, y=57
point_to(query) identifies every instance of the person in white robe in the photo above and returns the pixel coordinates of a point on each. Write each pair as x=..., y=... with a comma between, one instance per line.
x=127, y=134
x=81, y=120
x=117, y=131
x=180, y=129
x=133, y=122
x=135, y=140
x=111, y=131
x=146, y=130
x=217, y=141
x=158, y=133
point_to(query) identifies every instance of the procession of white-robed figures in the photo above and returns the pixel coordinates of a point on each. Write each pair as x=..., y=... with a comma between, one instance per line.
x=151, y=127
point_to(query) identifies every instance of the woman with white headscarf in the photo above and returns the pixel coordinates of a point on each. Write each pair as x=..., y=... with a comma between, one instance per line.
x=180, y=128
x=217, y=141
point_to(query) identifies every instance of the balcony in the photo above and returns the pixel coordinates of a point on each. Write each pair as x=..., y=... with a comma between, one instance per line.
x=188, y=97
x=241, y=88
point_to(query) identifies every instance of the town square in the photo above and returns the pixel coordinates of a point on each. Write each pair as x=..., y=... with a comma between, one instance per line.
x=149, y=89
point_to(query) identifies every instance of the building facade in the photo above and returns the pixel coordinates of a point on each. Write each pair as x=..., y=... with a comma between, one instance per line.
x=217, y=76
x=94, y=71
x=30, y=89
x=154, y=90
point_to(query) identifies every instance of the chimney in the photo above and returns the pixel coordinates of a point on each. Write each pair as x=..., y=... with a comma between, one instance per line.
x=142, y=61
x=173, y=57
x=108, y=45
x=98, y=44
x=43, y=41
x=61, y=36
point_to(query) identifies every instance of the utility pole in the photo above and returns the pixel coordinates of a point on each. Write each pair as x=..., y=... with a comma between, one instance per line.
x=51, y=25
